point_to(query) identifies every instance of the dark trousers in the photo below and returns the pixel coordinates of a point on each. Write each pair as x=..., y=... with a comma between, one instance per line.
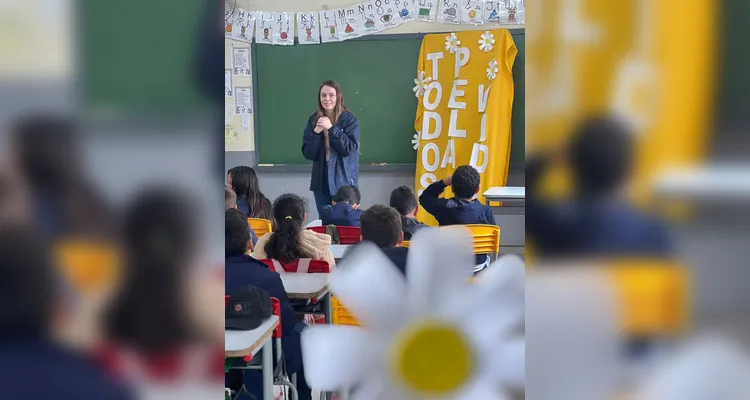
x=322, y=200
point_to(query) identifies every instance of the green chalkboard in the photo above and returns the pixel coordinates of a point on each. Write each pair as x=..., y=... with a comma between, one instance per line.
x=138, y=56
x=377, y=74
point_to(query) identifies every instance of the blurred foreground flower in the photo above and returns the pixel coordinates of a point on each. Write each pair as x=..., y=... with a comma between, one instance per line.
x=432, y=335
x=706, y=369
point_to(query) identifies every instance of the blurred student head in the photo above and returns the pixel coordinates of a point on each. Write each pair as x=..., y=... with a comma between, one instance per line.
x=600, y=155
x=404, y=201
x=48, y=159
x=465, y=182
x=150, y=311
x=236, y=233
x=244, y=182
x=284, y=243
x=381, y=225
x=348, y=194
x=230, y=198
x=28, y=284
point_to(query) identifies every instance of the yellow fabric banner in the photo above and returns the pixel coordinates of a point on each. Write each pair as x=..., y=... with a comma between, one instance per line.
x=465, y=89
x=651, y=61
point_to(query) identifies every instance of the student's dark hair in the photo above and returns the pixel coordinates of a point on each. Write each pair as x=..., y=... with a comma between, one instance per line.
x=230, y=198
x=339, y=108
x=403, y=200
x=348, y=194
x=600, y=154
x=284, y=243
x=50, y=160
x=245, y=185
x=236, y=233
x=149, y=313
x=381, y=225
x=465, y=182
x=28, y=284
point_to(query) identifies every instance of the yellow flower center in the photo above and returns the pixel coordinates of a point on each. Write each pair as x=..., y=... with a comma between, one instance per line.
x=433, y=358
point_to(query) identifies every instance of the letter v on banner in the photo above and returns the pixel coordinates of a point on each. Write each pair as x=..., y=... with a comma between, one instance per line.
x=465, y=115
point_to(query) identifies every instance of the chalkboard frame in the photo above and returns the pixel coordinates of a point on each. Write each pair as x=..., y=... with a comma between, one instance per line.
x=513, y=167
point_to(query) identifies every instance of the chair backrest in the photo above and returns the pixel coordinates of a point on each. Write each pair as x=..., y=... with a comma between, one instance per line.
x=405, y=243
x=302, y=266
x=88, y=266
x=347, y=234
x=276, y=307
x=654, y=296
x=486, y=237
x=260, y=226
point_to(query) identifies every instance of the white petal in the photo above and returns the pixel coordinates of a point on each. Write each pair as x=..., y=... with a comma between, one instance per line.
x=338, y=356
x=371, y=287
x=481, y=389
x=377, y=387
x=494, y=304
x=507, y=363
x=439, y=263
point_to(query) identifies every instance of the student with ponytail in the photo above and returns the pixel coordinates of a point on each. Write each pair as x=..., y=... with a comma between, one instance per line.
x=290, y=240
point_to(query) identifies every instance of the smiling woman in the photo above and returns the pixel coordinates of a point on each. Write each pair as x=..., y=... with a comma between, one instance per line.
x=331, y=142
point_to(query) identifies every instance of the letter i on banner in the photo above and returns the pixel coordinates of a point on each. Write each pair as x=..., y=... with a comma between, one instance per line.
x=491, y=13
x=448, y=13
x=329, y=30
x=307, y=28
x=472, y=12
x=283, y=33
x=264, y=27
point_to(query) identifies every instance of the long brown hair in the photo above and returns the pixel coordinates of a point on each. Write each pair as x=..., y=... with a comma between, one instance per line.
x=339, y=108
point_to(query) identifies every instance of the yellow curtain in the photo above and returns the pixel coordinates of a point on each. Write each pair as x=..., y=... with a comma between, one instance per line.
x=652, y=61
x=465, y=89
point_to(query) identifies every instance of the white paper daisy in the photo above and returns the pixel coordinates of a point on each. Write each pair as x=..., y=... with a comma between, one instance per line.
x=415, y=140
x=406, y=320
x=420, y=84
x=492, y=69
x=487, y=42
x=452, y=43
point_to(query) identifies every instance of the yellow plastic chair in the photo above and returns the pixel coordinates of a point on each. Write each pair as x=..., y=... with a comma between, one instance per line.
x=260, y=226
x=88, y=266
x=405, y=243
x=486, y=237
x=340, y=315
x=655, y=297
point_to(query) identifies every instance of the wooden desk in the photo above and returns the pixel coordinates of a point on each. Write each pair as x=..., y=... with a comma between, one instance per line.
x=305, y=286
x=248, y=343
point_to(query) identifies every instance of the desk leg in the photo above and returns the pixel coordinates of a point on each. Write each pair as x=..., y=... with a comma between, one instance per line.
x=268, y=370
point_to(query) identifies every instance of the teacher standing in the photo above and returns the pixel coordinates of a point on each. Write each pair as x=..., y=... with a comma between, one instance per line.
x=331, y=142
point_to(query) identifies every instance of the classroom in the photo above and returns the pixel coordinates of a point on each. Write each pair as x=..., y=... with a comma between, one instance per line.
x=429, y=87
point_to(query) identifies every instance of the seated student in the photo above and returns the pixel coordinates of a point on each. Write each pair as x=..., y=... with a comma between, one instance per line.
x=464, y=208
x=290, y=241
x=382, y=225
x=345, y=209
x=230, y=201
x=598, y=220
x=250, y=200
x=405, y=202
x=32, y=304
x=242, y=270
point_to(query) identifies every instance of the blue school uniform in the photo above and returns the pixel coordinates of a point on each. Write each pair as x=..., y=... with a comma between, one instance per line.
x=341, y=214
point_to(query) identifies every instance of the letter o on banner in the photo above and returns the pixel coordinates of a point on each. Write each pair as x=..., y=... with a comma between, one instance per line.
x=430, y=167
